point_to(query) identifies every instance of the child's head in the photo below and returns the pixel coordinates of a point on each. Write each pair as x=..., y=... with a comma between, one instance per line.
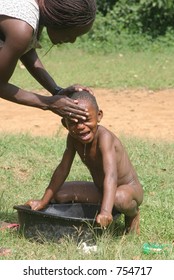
x=85, y=96
x=67, y=13
x=84, y=130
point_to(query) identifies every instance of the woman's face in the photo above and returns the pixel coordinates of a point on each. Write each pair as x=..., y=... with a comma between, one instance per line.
x=67, y=35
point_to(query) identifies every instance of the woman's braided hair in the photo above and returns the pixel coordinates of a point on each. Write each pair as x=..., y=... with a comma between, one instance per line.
x=67, y=13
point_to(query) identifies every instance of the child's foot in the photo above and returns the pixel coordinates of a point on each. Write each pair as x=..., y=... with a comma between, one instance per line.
x=132, y=224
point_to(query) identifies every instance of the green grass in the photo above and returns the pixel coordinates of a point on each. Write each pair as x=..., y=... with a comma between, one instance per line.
x=26, y=165
x=149, y=69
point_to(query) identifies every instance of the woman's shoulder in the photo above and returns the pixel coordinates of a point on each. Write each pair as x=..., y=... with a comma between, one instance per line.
x=26, y=10
x=23, y=10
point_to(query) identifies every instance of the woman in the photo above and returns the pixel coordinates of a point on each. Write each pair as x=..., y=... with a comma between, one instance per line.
x=21, y=23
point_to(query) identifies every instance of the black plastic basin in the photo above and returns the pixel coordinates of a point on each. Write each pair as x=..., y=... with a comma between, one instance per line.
x=58, y=220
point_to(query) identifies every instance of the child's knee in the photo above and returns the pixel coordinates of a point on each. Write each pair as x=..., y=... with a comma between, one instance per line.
x=124, y=201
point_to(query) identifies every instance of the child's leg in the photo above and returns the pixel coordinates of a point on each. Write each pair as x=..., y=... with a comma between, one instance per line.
x=127, y=201
x=132, y=223
x=78, y=191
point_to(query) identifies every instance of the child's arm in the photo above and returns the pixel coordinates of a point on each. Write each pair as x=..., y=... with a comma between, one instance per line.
x=59, y=176
x=110, y=180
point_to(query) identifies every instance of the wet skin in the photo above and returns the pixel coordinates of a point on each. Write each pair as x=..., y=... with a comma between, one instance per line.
x=99, y=140
x=115, y=182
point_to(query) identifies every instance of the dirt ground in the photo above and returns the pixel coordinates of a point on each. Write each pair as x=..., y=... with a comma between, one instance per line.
x=141, y=113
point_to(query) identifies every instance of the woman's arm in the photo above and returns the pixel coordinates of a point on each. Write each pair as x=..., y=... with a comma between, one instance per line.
x=38, y=71
x=17, y=38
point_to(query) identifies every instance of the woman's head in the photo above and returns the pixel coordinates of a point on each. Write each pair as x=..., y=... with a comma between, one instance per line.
x=66, y=20
x=67, y=13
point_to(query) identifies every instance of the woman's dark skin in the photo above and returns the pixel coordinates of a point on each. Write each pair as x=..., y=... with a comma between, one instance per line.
x=17, y=35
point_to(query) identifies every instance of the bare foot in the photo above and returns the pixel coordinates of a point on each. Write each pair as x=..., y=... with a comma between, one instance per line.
x=132, y=224
x=4, y=251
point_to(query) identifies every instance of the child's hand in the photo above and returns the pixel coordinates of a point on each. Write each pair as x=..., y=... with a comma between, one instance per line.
x=35, y=204
x=104, y=219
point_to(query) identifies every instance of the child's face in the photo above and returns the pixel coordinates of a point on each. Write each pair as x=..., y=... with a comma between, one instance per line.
x=67, y=35
x=85, y=130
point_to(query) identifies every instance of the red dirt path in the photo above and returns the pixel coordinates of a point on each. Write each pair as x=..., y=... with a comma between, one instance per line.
x=141, y=113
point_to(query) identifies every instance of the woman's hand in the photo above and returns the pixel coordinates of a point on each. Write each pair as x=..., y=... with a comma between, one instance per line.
x=68, y=108
x=35, y=204
x=104, y=219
